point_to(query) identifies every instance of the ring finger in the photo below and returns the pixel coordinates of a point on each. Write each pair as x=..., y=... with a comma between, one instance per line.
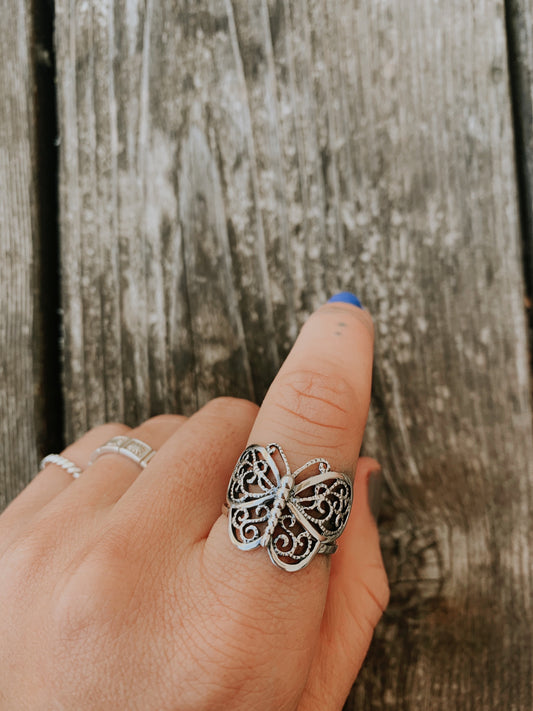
x=111, y=474
x=51, y=481
x=100, y=484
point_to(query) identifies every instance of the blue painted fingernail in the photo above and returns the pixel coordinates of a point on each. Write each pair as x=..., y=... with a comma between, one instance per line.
x=347, y=297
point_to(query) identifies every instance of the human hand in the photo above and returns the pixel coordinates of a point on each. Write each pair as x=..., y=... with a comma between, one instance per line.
x=122, y=590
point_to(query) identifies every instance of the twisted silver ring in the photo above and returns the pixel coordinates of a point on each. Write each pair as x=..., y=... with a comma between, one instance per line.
x=293, y=521
x=62, y=462
x=135, y=449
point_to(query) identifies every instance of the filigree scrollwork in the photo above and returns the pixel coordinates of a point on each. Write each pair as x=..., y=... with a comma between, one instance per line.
x=293, y=521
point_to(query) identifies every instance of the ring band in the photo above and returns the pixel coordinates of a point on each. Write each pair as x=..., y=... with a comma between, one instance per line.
x=293, y=521
x=135, y=449
x=62, y=462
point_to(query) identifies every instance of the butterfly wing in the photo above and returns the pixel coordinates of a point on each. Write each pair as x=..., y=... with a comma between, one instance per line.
x=322, y=504
x=292, y=546
x=316, y=512
x=247, y=524
x=251, y=491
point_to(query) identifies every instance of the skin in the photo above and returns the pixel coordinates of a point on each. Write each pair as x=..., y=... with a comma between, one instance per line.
x=122, y=590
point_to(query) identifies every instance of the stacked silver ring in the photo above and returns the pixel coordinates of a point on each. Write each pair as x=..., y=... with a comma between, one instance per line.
x=135, y=449
x=62, y=462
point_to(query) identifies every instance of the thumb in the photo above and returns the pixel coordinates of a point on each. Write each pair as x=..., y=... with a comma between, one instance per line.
x=358, y=594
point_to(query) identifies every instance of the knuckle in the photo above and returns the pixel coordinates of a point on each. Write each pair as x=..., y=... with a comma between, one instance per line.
x=166, y=419
x=30, y=558
x=121, y=546
x=226, y=406
x=315, y=402
x=31, y=552
x=75, y=621
x=108, y=430
x=20, y=564
x=70, y=615
x=89, y=603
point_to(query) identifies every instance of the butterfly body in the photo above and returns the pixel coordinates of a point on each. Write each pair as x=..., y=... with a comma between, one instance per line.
x=292, y=520
x=280, y=500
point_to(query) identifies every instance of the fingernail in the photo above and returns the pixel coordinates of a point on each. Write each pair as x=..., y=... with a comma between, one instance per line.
x=347, y=297
x=374, y=492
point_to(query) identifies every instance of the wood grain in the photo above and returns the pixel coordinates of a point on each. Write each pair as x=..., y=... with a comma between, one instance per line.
x=225, y=167
x=19, y=335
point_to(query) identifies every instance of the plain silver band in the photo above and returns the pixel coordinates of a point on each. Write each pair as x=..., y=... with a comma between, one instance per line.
x=62, y=462
x=135, y=449
x=325, y=548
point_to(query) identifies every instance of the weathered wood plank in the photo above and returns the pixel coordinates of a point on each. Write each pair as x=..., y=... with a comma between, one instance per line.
x=225, y=167
x=19, y=336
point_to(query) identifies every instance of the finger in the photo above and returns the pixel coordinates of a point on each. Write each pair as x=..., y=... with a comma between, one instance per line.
x=80, y=508
x=358, y=594
x=111, y=474
x=316, y=407
x=187, y=487
x=319, y=400
x=52, y=481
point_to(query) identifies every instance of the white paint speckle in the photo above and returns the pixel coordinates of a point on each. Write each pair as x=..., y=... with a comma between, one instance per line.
x=422, y=324
x=484, y=335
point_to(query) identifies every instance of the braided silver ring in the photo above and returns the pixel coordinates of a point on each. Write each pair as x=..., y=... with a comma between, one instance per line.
x=135, y=449
x=62, y=462
x=293, y=521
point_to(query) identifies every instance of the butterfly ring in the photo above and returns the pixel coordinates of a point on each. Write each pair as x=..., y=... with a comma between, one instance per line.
x=293, y=521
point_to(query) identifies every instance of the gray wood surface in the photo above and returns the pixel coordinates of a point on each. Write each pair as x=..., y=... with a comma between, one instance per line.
x=225, y=167
x=19, y=336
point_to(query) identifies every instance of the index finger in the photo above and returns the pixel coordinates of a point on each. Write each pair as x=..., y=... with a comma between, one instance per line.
x=318, y=403
x=317, y=406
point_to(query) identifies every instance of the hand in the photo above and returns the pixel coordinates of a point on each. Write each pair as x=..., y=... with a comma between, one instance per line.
x=121, y=589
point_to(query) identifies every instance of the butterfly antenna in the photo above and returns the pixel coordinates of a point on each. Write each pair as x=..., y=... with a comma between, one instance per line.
x=271, y=448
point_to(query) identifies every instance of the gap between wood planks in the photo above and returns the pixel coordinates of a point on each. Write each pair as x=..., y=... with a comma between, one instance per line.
x=48, y=327
x=520, y=90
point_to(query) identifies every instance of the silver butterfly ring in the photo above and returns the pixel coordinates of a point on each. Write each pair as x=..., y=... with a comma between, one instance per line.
x=293, y=521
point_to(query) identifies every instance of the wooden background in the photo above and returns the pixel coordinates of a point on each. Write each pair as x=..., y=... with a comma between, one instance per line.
x=183, y=181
